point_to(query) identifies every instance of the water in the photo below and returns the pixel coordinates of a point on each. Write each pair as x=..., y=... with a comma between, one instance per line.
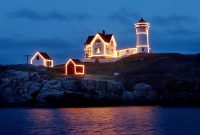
x=104, y=121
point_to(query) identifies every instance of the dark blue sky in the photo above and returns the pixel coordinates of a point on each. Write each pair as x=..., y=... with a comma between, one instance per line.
x=60, y=27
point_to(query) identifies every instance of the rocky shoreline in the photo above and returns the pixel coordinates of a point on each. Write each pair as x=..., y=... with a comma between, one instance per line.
x=38, y=89
x=27, y=85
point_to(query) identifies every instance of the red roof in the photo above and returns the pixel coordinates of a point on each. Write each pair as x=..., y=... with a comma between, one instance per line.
x=105, y=37
x=89, y=39
x=45, y=55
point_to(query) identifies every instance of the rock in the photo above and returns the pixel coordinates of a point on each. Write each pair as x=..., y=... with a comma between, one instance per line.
x=152, y=95
x=70, y=84
x=51, y=89
x=102, y=88
x=7, y=95
x=142, y=87
x=20, y=75
x=141, y=90
x=101, y=85
x=35, y=86
x=114, y=86
x=30, y=89
x=127, y=95
x=24, y=87
x=4, y=82
x=144, y=91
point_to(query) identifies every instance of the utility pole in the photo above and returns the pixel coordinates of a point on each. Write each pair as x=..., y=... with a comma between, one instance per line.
x=27, y=59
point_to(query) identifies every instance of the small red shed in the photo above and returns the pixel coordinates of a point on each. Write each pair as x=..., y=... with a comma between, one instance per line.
x=74, y=67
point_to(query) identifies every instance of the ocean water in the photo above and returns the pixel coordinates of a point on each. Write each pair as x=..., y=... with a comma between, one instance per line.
x=103, y=120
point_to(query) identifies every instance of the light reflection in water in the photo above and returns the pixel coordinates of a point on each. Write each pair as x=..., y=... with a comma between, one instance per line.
x=81, y=121
x=44, y=122
x=111, y=121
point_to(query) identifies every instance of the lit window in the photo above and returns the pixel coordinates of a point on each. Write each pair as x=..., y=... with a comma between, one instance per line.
x=107, y=50
x=97, y=50
x=98, y=42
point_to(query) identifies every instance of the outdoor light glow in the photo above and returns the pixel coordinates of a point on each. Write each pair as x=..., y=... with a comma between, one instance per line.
x=75, y=68
x=89, y=47
x=98, y=50
x=142, y=31
x=44, y=60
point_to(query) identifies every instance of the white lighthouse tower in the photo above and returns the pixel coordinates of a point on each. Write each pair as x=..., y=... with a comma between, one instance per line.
x=142, y=36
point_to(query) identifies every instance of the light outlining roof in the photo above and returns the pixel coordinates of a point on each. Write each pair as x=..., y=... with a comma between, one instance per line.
x=142, y=29
x=92, y=39
x=44, y=57
x=98, y=36
x=75, y=65
x=104, y=37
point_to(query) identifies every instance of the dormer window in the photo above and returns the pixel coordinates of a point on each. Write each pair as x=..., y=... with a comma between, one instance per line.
x=98, y=42
x=112, y=43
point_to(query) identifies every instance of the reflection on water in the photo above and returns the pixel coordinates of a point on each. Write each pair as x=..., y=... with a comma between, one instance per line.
x=108, y=120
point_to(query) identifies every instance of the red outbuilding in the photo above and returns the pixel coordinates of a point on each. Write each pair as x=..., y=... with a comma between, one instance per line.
x=74, y=67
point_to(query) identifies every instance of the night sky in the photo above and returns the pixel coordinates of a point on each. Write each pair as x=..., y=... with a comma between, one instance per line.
x=60, y=27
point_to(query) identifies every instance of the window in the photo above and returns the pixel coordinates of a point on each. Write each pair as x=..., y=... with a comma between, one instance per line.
x=37, y=58
x=98, y=42
x=97, y=50
x=107, y=50
x=111, y=50
x=111, y=43
x=86, y=56
x=142, y=49
x=49, y=63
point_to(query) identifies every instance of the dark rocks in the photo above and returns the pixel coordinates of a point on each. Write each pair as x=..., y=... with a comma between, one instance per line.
x=165, y=79
x=8, y=95
x=70, y=84
x=144, y=91
x=141, y=93
x=101, y=84
x=127, y=96
x=50, y=89
x=22, y=87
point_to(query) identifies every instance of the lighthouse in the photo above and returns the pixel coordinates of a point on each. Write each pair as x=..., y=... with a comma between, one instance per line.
x=142, y=36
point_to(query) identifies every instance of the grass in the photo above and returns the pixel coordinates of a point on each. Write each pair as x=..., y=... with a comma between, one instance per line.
x=132, y=64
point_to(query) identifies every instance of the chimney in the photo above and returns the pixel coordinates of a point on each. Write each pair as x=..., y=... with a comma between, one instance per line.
x=104, y=32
